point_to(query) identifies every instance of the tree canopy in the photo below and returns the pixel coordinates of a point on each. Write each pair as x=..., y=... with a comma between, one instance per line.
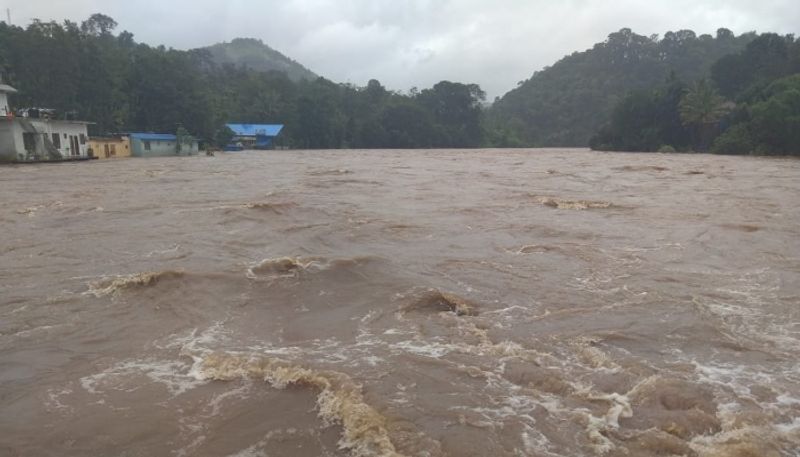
x=751, y=104
x=564, y=105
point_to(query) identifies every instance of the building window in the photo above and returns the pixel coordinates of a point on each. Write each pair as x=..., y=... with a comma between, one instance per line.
x=146, y=145
x=105, y=150
x=65, y=135
x=83, y=138
x=29, y=142
x=113, y=150
x=56, y=141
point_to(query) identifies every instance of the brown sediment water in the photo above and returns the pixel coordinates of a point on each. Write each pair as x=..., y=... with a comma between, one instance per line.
x=401, y=303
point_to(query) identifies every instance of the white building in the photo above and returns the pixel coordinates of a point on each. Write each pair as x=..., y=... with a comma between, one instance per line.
x=37, y=136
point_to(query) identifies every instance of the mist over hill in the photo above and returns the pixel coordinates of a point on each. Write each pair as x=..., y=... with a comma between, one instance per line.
x=253, y=54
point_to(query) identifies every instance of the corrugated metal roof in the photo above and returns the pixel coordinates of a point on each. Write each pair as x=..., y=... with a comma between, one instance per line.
x=153, y=136
x=256, y=129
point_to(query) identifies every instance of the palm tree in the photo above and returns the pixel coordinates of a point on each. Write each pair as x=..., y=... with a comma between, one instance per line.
x=702, y=108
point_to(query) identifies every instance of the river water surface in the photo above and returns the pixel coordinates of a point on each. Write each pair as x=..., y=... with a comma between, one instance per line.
x=401, y=303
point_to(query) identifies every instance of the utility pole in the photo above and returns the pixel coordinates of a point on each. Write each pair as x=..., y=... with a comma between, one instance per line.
x=8, y=16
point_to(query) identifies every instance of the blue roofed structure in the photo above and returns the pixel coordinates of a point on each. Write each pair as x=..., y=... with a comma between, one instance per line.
x=153, y=136
x=253, y=136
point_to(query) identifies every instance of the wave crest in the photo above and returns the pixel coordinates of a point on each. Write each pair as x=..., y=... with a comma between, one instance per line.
x=275, y=207
x=559, y=203
x=293, y=267
x=339, y=400
x=280, y=267
x=434, y=300
x=114, y=285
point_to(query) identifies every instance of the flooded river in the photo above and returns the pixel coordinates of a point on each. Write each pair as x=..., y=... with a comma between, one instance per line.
x=401, y=303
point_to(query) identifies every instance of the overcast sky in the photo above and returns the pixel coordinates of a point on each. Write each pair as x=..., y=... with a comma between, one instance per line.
x=407, y=43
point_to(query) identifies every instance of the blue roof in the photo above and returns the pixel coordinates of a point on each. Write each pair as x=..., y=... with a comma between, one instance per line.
x=256, y=129
x=153, y=136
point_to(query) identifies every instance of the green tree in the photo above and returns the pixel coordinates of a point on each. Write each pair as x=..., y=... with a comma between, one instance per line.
x=646, y=121
x=768, y=126
x=702, y=108
x=765, y=59
x=98, y=24
x=223, y=136
x=457, y=108
x=182, y=137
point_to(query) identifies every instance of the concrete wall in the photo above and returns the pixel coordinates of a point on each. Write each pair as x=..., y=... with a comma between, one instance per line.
x=65, y=130
x=4, y=111
x=110, y=148
x=160, y=148
x=60, y=133
x=9, y=140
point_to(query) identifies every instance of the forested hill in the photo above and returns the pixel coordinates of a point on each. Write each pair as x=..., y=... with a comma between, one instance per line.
x=124, y=86
x=564, y=105
x=749, y=105
x=254, y=54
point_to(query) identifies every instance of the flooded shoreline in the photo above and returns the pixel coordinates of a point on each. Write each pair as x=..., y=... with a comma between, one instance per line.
x=402, y=303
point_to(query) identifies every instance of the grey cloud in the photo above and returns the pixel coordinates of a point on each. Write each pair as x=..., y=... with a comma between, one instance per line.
x=417, y=42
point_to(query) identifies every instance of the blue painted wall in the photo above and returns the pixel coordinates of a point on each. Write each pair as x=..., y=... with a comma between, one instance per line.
x=159, y=145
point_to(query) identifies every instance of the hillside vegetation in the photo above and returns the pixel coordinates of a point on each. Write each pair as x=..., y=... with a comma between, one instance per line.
x=565, y=104
x=750, y=104
x=728, y=94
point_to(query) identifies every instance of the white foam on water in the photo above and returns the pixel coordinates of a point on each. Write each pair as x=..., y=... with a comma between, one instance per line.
x=787, y=400
x=189, y=449
x=733, y=376
x=790, y=428
x=240, y=392
x=423, y=348
x=174, y=375
x=31, y=331
x=283, y=267
x=172, y=250
x=534, y=442
x=54, y=399
x=252, y=451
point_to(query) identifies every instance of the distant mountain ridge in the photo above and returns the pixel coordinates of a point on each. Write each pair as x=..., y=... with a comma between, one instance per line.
x=255, y=55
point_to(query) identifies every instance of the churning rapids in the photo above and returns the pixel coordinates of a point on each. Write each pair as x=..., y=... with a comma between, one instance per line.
x=401, y=303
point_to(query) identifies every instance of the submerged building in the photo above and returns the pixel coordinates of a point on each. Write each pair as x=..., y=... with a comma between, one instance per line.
x=110, y=147
x=161, y=145
x=253, y=136
x=37, y=135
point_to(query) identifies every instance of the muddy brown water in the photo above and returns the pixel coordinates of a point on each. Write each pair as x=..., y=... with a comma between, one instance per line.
x=401, y=303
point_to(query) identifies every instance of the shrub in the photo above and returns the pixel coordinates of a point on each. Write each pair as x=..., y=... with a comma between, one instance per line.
x=736, y=140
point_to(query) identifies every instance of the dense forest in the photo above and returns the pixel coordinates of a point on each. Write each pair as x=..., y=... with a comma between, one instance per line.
x=726, y=93
x=87, y=71
x=564, y=105
x=750, y=103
